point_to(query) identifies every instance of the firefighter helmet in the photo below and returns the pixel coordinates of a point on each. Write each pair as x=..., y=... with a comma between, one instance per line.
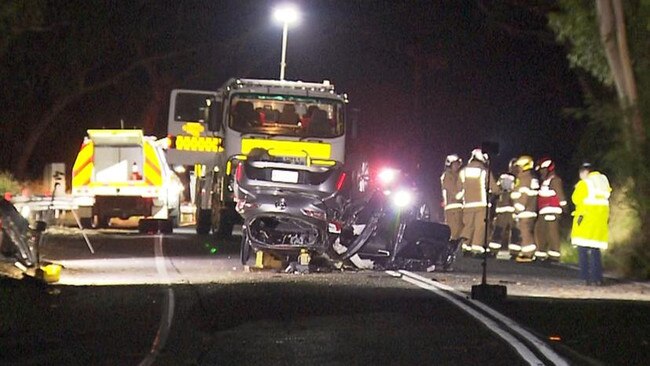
x=479, y=155
x=546, y=163
x=452, y=159
x=525, y=162
x=511, y=163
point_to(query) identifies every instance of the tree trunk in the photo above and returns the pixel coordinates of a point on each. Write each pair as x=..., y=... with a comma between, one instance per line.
x=153, y=110
x=160, y=85
x=606, y=25
x=611, y=19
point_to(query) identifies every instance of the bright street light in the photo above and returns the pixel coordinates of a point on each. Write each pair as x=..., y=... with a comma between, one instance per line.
x=286, y=15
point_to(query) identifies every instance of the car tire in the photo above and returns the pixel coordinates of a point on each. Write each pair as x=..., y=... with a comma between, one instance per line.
x=245, y=250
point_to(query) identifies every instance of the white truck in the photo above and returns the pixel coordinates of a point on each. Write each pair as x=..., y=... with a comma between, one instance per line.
x=122, y=173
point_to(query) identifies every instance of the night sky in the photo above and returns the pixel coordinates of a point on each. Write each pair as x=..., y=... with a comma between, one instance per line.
x=430, y=77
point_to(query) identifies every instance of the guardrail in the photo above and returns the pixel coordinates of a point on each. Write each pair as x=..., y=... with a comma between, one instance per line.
x=48, y=209
x=44, y=203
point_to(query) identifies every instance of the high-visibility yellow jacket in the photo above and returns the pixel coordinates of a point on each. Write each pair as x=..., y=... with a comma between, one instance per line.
x=590, y=219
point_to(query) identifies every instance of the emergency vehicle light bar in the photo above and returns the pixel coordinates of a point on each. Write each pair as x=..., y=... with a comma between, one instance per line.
x=324, y=86
x=116, y=137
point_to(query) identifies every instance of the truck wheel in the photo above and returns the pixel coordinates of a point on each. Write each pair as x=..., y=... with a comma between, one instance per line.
x=86, y=222
x=225, y=228
x=204, y=222
x=166, y=226
x=175, y=221
x=100, y=221
x=228, y=217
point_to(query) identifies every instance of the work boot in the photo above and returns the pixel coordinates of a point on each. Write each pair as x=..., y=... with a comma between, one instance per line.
x=523, y=259
x=465, y=247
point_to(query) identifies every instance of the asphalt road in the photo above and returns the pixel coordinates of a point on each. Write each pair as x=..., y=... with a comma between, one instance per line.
x=185, y=299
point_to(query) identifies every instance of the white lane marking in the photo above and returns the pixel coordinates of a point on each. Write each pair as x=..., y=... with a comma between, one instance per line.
x=541, y=346
x=523, y=351
x=167, y=307
x=394, y=274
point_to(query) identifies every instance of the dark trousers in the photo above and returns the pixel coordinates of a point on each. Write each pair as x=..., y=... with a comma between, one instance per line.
x=591, y=269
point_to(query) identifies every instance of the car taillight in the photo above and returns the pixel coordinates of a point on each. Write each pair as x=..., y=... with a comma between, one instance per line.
x=239, y=171
x=334, y=227
x=341, y=181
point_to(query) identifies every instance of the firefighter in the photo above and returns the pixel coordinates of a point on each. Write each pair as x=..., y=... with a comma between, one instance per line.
x=505, y=209
x=524, y=197
x=551, y=203
x=452, y=195
x=590, y=232
x=473, y=178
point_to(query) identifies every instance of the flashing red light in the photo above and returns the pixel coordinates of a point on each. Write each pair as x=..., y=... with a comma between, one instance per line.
x=387, y=175
x=341, y=181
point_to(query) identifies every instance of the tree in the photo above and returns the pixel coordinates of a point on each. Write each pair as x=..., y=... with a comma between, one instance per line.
x=18, y=17
x=608, y=40
x=69, y=51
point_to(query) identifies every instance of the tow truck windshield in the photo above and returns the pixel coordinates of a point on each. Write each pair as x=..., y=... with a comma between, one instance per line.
x=286, y=115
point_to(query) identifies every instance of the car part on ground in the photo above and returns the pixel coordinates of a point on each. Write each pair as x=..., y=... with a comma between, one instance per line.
x=18, y=238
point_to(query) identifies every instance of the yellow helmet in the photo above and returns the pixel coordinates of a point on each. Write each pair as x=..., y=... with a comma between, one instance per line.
x=525, y=162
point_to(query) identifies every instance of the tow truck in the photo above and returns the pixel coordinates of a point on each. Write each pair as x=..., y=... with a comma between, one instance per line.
x=298, y=124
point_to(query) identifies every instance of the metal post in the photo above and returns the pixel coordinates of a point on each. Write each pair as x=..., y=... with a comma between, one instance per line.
x=487, y=223
x=283, y=63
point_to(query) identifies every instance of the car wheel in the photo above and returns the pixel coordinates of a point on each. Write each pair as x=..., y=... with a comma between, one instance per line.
x=245, y=250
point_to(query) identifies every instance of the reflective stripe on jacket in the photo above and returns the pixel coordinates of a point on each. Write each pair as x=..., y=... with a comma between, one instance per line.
x=504, y=203
x=525, y=195
x=473, y=178
x=551, y=199
x=452, y=190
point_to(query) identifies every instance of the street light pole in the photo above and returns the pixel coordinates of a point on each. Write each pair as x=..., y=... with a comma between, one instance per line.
x=286, y=15
x=283, y=63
